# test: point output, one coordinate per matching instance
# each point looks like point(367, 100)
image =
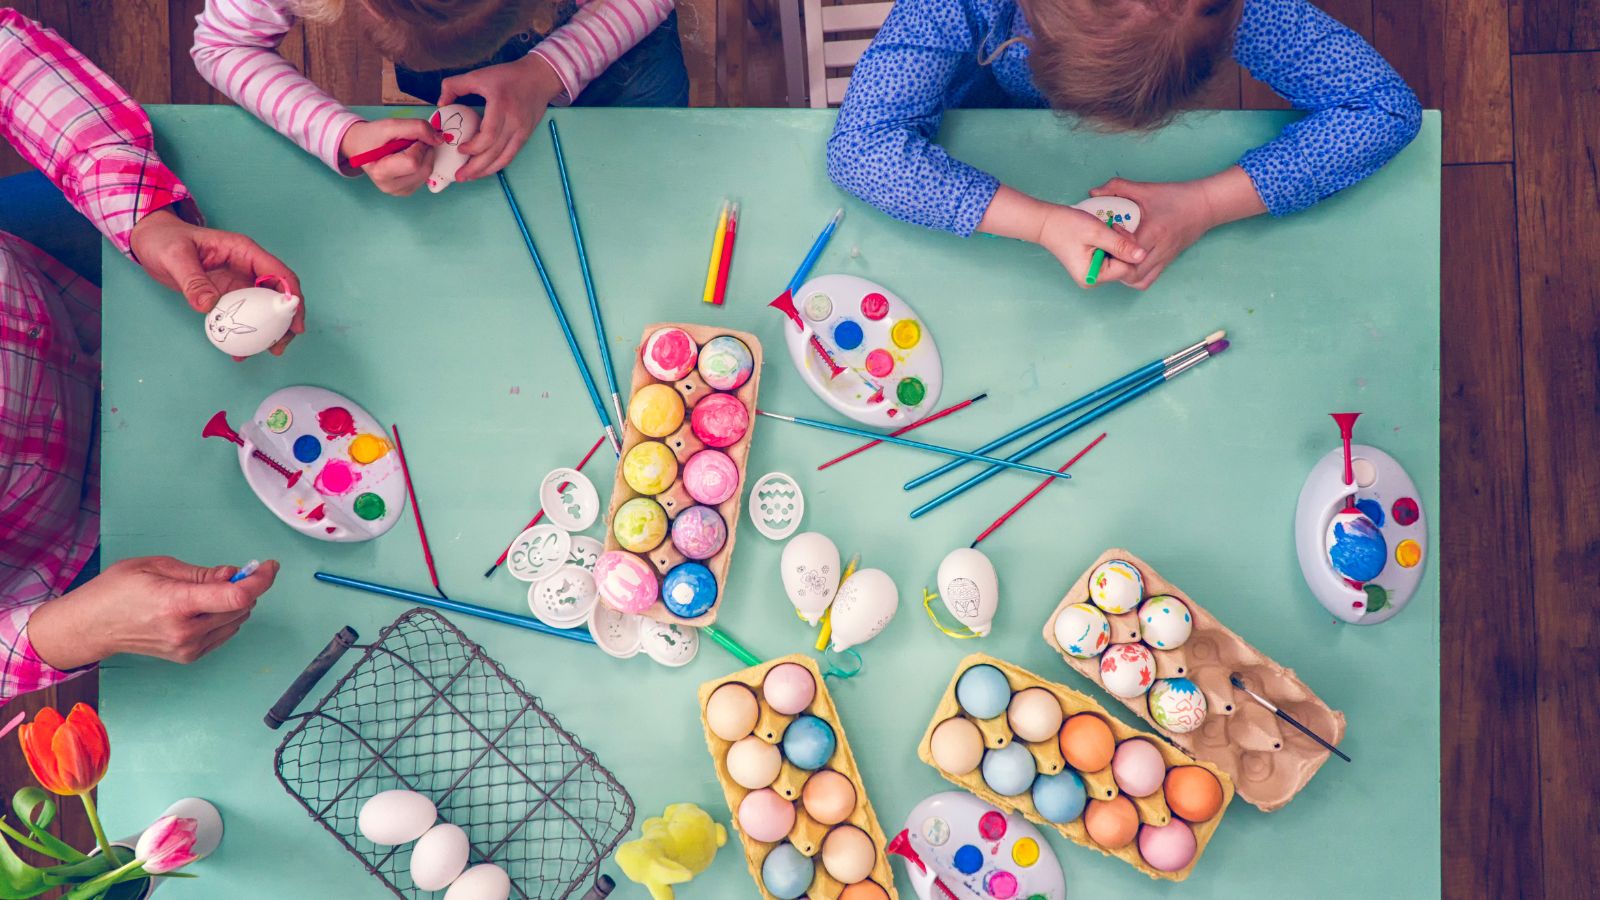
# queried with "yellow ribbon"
point(927, 603)
point(827, 614)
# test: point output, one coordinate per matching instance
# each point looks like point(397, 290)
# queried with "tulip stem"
point(25, 841)
point(99, 830)
point(109, 878)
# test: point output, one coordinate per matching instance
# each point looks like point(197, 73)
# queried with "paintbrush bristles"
point(1215, 336)
point(1216, 347)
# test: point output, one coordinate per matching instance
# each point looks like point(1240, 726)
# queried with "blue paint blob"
point(1359, 550)
point(983, 692)
point(307, 448)
point(689, 590)
point(808, 743)
point(786, 872)
point(847, 335)
point(1372, 509)
point(1060, 798)
point(968, 859)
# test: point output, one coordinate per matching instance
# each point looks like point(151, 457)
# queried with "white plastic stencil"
point(777, 505)
point(616, 633)
point(563, 599)
point(538, 552)
point(669, 643)
point(585, 552)
point(569, 499)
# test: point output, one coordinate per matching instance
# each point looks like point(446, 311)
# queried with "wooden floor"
point(1519, 84)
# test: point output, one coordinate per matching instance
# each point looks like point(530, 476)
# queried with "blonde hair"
point(433, 34)
point(1127, 64)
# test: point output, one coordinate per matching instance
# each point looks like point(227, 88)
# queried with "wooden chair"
point(826, 48)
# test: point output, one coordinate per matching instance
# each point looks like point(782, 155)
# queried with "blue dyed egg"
point(983, 692)
point(1009, 770)
point(689, 590)
point(808, 742)
point(1060, 798)
point(1356, 547)
point(786, 872)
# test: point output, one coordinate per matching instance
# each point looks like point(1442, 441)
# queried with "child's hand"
point(1072, 236)
point(398, 174)
point(204, 263)
point(515, 95)
point(1176, 214)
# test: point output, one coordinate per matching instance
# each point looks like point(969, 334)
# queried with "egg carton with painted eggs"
point(799, 805)
point(1160, 653)
point(685, 449)
point(1031, 746)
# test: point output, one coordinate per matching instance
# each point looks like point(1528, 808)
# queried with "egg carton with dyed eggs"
point(1268, 763)
point(763, 743)
point(650, 467)
point(1049, 758)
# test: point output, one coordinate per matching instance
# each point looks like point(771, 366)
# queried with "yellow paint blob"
point(368, 448)
point(1025, 852)
point(656, 410)
point(1408, 554)
point(906, 333)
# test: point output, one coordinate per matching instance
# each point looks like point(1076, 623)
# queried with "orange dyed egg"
point(1111, 823)
point(1193, 793)
point(1087, 743)
point(864, 890)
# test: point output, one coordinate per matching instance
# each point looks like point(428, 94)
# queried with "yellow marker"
point(716, 254)
point(827, 622)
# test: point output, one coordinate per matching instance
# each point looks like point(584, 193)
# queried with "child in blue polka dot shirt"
point(1120, 64)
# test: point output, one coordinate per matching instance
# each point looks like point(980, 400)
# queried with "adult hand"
point(152, 606)
point(515, 96)
point(398, 174)
point(204, 263)
point(1173, 215)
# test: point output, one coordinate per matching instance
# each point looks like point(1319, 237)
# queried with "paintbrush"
point(1239, 683)
point(933, 417)
point(1006, 516)
point(581, 635)
point(996, 462)
point(540, 514)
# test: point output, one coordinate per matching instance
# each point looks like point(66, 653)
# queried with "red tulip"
point(67, 756)
point(167, 846)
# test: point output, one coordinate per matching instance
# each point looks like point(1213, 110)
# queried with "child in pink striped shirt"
point(516, 57)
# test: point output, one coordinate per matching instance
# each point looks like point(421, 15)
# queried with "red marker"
point(368, 157)
point(727, 256)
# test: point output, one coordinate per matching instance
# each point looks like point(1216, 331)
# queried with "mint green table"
point(425, 310)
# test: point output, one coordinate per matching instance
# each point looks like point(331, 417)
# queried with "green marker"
point(1095, 262)
point(729, 644)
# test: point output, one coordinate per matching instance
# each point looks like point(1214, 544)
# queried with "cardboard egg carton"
point(1268, 760)
point(1153, 810)
point(684, 444)
point(807, 833)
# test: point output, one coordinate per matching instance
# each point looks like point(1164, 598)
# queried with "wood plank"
point(1543, 26)
point(1357, 14)
point(1488, 701)
point(730, 53)
point(697, 32)
point(1454, 54)
point(129, 41)
point(765, 80)
point(340, 59)
point(187, 85)
point(1558, 213)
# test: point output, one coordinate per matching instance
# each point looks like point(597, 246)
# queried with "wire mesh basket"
point(425, 709)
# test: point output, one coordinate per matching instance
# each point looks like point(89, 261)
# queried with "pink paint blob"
point(336, 421)
point(336, 478)
point(880, 363)
point(875, 306)
point(669, 354)
point(710, 477)
point(720, 420)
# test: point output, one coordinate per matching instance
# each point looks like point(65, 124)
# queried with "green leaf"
point(37, 809)
point(18, 880)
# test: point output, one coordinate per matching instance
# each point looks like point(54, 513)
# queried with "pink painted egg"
point(720, 420)
point(669, 354)
point(625, 582)
point(699, 532)
point(1168, 848)
point(765, 816)
point(789, 688)
point(710, 477)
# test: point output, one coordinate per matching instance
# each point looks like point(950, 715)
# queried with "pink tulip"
point(167, 846)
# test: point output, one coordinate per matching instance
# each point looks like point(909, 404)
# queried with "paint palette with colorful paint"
point(891, 372)
point(676, 502)
point(320, 463)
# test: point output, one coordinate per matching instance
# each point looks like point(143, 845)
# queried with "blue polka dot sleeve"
point(1362, 112)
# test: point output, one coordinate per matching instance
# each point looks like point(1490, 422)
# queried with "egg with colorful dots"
point(1116, 586)
point(649, 467)
point(1083, 631)
point(656, 410)
point(1177, 705)
point(640, 525)
point(669, 354)
point(725, 363)
point(1164, 622)
point(699, 532)
point(689, 590)
point(720, 420)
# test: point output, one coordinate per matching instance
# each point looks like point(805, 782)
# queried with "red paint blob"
point(336, 421)
point(875, 306)
point(1405, 511)
point(880, 363)
point(316, 514)
point(992, 826)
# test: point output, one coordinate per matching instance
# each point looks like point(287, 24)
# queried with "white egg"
point(1165, 622)
point(396, 817)
point(439, 857)
point(456, 125)
point(969, 588)
point(485, 881)
point(249, 320)
point(864, 605)
point(810, 569)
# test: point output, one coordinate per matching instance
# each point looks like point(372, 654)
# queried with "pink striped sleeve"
point(235, 50)
point(597, 36)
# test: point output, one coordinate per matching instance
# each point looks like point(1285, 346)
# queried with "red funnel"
point(1347, 425)
point(219, 427)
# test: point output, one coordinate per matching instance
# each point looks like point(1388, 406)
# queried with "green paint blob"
point(1377, 598)
point(910, 391)
point(278, 420)
point(370, 506)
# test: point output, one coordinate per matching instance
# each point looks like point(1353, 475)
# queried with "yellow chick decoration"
point(671, 849)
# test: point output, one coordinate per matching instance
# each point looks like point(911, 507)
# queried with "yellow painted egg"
point(650, 468)
point(656, 410)
point(640, 525)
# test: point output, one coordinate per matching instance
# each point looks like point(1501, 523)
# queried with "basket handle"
point(309, 676)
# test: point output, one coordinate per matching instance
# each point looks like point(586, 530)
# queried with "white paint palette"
point(322, 464)
point(892, 370)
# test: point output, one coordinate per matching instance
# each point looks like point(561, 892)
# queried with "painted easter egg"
point(765, 816)
point(1009, 770)
point(249, 320)
point(866, 601)
point(640, 525)
point(725, 363)
point(1111, 823)
point(983, 691)
point(1082, 631)
point(753, 763)
point(1193, 792)
point(776, 505)
point(1177, 705)
point(786, 872)
point(456, 125)
point(848, 854)
point(649, 467)
point(710, 477)
point(969, 588)
point(1164, 622)
point(625, 582)
point(1138, 767)
point(788, 688)
point(1060, 798)
point(1169, 847)
point(1034, 714)
point(1116, 586)
point(732, 711)
point(956, 745)
point(1356, 548)
point(810, 570)
point(809, 742)
point(656, 410)
point(699, 532)
point(720, 420)
point(1127, 670)
point(689, 590)
point(828, 797)
point(1087, 743)
point(669, 354)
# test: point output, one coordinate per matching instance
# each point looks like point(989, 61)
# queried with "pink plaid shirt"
point(85, 133)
